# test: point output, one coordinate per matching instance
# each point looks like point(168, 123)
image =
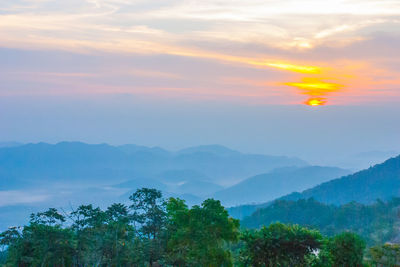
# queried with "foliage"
point(149, 232)
point(280, 245)
point(154, 232)
point(347, 250)
point(197, 236)
point(43, 242)
point(385, 255)
point(148, 214)
point(376, 223)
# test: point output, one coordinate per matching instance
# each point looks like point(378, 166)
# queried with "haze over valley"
point(67, 174)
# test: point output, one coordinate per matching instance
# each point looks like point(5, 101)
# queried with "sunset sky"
point(110, 70)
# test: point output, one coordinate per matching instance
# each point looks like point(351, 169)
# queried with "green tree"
point(44, 242)
point(280, 245)
point(89, 225)
point(106, 238)
point(152, 232)
point(149, 216)
point(347, 250)
point(385, 255)
point(322, 258)
point(178, 239)
point(9, 242)
point(200, 236)
point(118, 235)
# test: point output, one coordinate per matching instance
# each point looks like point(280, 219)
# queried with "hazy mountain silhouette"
point(42, 163)
point(181, 176)
point(41, 175)
point(10, 144)
point(266, 187)
point(381, 181)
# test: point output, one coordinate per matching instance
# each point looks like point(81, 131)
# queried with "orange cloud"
point(316, 87)
point(295, 68)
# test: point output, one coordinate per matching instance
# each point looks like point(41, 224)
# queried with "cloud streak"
point(20, 197)
point(292, 37)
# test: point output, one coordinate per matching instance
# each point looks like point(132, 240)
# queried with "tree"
point(385, 255)
point(280, 245)
point(117, 235)
point(347, 250)
point(154, 232)
point(44, 242)
point(212, 228)
point(89, 225)
point(9, 241)
point(178, 239)
point(199, 236)
point(322, 257)
point(149, 217)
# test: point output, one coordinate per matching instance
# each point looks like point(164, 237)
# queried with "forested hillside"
point(381, 181)
point(376, 223)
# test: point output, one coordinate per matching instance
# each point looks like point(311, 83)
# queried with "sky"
point(306, 78)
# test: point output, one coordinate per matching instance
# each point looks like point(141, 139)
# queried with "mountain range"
point(42, 163)
point(72, 173)
point(269, 186)
point(380, 182)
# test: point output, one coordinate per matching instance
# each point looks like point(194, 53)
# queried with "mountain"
point(80, 163)
point(242, 211)
point(181, 176)
point(218, 161)
point(198, 188)
point(377, 222)
point(215, 149)
point(132, 149)
point(10, 144)
point(282, 181)
point(74, 172)
point(381, 181)
point(37, 164)
point(360, 161)
point(175, 182)
point(142, 182)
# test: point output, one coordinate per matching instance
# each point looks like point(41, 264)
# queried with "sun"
point(316, 102)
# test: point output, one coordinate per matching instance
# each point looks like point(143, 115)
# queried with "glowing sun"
point(315, 102)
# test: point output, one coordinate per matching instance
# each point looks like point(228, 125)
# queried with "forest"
point(152, 231)
point(376, 223)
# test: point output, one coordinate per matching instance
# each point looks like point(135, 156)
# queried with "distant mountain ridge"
point(31, 164)
point(10, 144)
point(269, 186)
point(381, 181)
point(218, 149)
point(67, 173)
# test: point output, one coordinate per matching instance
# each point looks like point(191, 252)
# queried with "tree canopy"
point(152, 231)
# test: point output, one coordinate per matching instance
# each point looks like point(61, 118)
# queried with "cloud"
point(283, 24)
point(304, 37)
point(20, 197)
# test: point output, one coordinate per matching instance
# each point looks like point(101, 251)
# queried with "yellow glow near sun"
point(295, 68)
point(315, 88)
